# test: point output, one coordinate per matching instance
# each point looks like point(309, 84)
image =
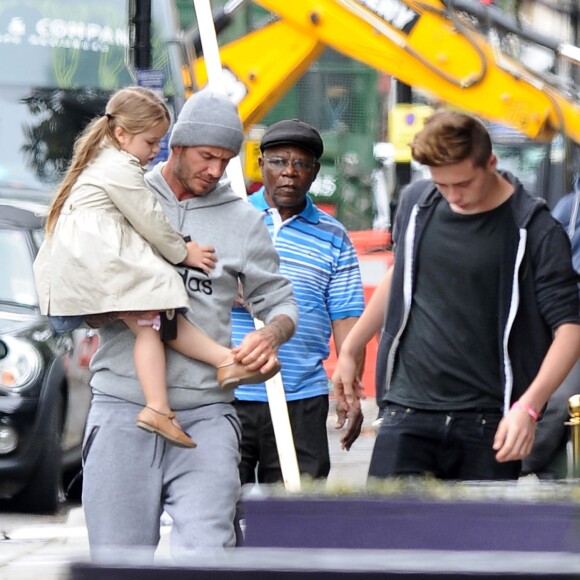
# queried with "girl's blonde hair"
point(134, 109)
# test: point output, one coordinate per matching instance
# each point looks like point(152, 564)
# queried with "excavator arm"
point(426, 44)
point(262, 66)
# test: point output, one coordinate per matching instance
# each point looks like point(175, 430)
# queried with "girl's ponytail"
point(134, 109)
point(85, 150)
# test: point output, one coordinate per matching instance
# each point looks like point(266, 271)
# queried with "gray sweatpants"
point(130, 476)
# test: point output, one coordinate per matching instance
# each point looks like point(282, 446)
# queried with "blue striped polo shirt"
point(318, 257)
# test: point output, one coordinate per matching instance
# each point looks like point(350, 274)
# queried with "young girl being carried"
point(109, 250)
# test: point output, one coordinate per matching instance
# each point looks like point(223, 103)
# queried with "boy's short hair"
point(450, 137)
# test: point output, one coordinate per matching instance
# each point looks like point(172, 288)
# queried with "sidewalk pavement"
point(44, 552)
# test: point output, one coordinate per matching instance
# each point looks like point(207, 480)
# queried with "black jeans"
point(453, 445)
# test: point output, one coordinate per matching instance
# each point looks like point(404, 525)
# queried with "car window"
point(16, 275)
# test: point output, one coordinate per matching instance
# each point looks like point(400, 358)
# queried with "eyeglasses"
point(280, 163)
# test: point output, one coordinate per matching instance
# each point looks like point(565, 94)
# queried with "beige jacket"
point(112, 247)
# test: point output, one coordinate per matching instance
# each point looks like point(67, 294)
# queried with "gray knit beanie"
point(210, 119)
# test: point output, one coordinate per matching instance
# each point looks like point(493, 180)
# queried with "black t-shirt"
point(449, 356)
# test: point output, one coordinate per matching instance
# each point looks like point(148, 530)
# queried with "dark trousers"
point(454, 445)
point(259, 452)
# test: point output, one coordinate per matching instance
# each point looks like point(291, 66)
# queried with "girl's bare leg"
point(149, 356)
point(150, 366)
point(194, 343)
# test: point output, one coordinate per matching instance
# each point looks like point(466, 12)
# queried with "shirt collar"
point(310, 213)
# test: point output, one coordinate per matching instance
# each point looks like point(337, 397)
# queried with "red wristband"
point(527, 409)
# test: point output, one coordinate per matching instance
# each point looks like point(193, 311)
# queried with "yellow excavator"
point(461, 52)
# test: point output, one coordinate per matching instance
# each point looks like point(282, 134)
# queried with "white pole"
point(215, 77)
point(274, 387)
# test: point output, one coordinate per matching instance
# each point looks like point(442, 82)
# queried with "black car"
point(44, 390)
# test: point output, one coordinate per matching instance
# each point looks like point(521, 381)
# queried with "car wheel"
point(44, 492)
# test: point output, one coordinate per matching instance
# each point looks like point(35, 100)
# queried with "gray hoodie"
point(244, 251)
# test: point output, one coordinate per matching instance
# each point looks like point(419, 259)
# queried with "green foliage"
point(432, 489)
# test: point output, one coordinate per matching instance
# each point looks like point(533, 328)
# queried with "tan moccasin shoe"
point(166, 425)
point(231, 374)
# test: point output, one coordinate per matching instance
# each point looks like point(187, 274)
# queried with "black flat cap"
point(293, 132)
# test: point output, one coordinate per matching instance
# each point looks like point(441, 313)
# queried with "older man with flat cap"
point(318, 257)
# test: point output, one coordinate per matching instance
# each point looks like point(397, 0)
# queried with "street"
point(11, 520)
point(40, 547)
point(45, 547)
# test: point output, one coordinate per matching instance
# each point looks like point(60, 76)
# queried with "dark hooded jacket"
point(539, 286)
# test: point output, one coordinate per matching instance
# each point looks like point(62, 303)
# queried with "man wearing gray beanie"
point(131, 477)
point(208, 118)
